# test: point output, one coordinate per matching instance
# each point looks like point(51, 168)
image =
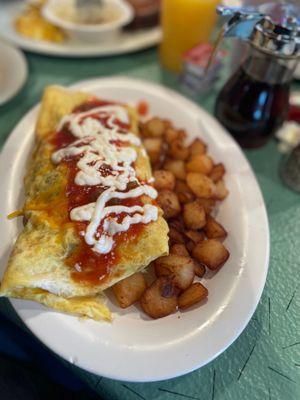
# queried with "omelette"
point(90, 214)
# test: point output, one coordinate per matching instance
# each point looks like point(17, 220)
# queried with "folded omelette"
point(90, 215)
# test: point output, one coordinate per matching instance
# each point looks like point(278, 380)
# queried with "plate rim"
point(259, 289)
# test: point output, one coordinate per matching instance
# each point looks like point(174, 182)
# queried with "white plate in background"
point(13, 71)
point(134, 347)
point(125, 43)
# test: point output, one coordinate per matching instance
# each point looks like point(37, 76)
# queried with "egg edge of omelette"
point(35, 266)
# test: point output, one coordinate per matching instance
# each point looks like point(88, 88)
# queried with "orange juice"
point(185, 23)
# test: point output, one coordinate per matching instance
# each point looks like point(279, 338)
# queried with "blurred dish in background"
point(125, 42)
point(13, 72)
point(146, 13)
point(87, 12)
point(89, 24)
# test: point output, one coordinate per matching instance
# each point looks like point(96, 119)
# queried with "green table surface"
point(264, 362)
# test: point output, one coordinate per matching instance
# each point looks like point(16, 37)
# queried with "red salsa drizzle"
point(87, 265)
point(143, 108)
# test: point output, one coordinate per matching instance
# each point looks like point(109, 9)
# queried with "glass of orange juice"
point(185, 23)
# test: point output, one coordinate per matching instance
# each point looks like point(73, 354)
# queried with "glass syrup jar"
point(254, 102)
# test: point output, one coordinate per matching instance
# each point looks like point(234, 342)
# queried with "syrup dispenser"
point(255, 100)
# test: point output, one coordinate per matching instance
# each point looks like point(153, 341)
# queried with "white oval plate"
point(133, 347)
point(125, 43)
point(13, 71)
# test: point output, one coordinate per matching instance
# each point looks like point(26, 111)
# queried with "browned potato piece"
point(164, 180)
point(184, 193)
point(221, 191)
point(169, 203)
point(153, 147)
point(130, 289)
point(190, 245)
point(208, 204)
point(217, 172)
point(178, 150)
point(200, 163)
point(155, 127)
point(175, 236)
point(168, 124)
point(211, 253)
point(194, 215)
point(179, 267)
point(142, 128)
point(160, 299)
point(201, 185)
point(171, 135)
point(214, 230)
point(177, 223)
point(199, 269)
point(195, 236)
point(197, 147)
point(177, 167)
point(194, 294)
point(179, 249)
point(182, 135)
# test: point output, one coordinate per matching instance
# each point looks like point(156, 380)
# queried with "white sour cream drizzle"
point(96, 147)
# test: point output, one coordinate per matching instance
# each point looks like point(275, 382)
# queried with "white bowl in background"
point(89, 32)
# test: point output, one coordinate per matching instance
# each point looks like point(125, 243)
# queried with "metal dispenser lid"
point(272, 27)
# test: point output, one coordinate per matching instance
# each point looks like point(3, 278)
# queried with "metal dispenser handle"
point(240, 23)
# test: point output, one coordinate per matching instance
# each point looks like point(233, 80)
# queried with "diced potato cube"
point(169, 203)
point(175, 236)
point(164, 180)
point(197, 147)
point(195, 236)
point(200, 163)
point(177, 167)
point(213, 229)
point(160, 299)
point(155, 127)
point(178, 150)
point(208, 204)
point(199, 269)
point(179, 249)
point(217, 172)
point(177, 223)
point(194, 215)
point(180, 268)
point(194, 294)
point(153, 146)
point(190, 245)
point(201, 185)
point(171, 135)
point(211, 253)
point(184, 193)
point(182, 135)
point(221, 191)
point(130, 289)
